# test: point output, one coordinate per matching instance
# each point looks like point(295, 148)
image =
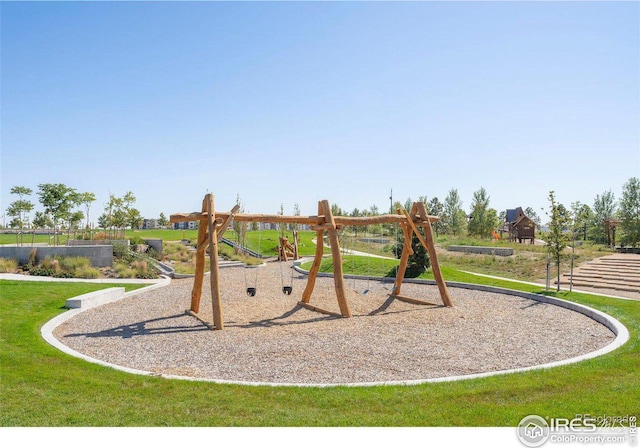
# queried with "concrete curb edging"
point(47, 329)
point(621, 332)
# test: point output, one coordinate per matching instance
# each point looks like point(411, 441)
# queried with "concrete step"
point(580, 284)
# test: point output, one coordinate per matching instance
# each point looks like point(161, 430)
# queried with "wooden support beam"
point(407, 250)
point(198, 278)
point(318, 309)
point(315, 267)
point(214, 277)
point(201, 319)
point(412, 300)
point(338, 277)
point(288, 219)
point(433, 255)
point(227, 221)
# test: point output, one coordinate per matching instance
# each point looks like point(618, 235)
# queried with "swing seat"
point(287, 290)
point(251, 292)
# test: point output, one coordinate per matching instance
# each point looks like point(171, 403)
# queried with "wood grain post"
point(433, 256)
point(214, 277)
point(198, 278)
point(338, 277)
point(404, 259)
point(315, 267)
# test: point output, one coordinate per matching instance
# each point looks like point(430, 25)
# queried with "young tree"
point(86, 199)
point(58, 201)
point(41, 220)
point(630, 212)
point(604, 207)
point(533, 216)
point(483, 220)
point(454, 217)
point(557, 237)
point(19, 209)
point(162, 220)
point(582, 217)
point(436, 208)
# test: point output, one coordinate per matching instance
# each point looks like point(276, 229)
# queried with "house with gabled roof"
point(519, 226)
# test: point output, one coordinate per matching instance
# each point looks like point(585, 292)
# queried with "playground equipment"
point(213, 225)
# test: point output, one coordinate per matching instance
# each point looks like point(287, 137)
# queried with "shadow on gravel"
point(142, 329)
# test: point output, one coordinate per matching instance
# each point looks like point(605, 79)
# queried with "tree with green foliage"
point(531, 214)
point(582, 218)
point(604, 207)
point(454, 218)
point(86, 199)
point(630, 212)
point(19, 210)
point(162, 220)
point(436, 208)
point(483, 220)
point(58, 201)
point(557, 238)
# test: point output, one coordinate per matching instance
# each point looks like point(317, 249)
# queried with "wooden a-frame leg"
point(433, 256)
point(198, 279)
point(214, 277)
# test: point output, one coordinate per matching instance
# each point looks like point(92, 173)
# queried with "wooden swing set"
point(212, 226)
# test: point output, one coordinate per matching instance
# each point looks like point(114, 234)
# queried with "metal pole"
point(548, 270)
point(573, 251)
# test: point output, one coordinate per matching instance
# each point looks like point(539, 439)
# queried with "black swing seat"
point(287, 290)
point(251, 292)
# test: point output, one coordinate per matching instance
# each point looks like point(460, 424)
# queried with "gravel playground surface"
point(269, 338)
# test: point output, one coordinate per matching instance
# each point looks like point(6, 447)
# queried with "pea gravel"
point(268, 338)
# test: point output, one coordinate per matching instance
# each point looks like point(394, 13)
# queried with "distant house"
point(189, 225)
point(150, 223)
point(519, 226)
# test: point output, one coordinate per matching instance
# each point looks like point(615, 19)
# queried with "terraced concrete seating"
point(620, 272)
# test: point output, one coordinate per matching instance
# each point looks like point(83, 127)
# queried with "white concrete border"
point(621, 332)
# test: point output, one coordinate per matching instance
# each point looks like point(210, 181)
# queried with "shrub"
point(135, 240)
point(8, 265)
point(87, 272)
point(121, 253)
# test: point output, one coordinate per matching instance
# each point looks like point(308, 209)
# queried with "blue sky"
point(293, 102)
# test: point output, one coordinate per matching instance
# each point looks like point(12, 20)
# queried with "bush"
point(121, 253)
point(64, 267)
point(8, 265)
point(135, 240)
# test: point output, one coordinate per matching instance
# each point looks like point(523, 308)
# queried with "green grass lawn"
point(41, 386)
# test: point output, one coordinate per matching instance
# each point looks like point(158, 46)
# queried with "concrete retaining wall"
point(96, 242)
point(100, 255)
point(96, 298)
point(500, 251)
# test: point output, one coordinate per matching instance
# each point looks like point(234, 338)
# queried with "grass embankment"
point(44, 387)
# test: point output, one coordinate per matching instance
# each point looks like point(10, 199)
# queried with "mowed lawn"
point(41, 386)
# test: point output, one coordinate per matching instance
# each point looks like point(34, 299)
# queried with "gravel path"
point(268, 338)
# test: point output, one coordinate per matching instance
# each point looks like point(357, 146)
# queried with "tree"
point(483, 220)
point(533, 216)
point(436, 208)
point(162, 220)
point(454, 216)
point(86, 199)
point(557, 237)
point(419, 261)
point(19, 209)
point(630, 212)
point(58, 201)
point(604, 207)
point(582, 218)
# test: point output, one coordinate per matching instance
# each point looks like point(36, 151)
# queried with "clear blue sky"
point(293, 102)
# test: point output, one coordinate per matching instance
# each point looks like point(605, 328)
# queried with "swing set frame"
point(212, 226)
